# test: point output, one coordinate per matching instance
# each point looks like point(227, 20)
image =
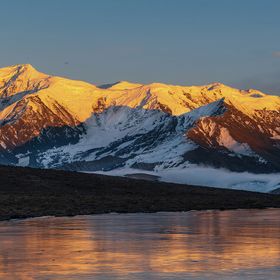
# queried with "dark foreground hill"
point(26, 192)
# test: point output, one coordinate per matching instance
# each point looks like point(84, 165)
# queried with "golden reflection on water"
point(159, 244)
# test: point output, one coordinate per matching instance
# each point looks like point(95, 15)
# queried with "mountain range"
point(54, 122)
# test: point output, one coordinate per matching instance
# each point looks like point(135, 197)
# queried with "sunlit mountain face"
point(53, 122)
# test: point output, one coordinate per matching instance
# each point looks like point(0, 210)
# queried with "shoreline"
point(30, 193)
point(15, 219)
point(132, 213)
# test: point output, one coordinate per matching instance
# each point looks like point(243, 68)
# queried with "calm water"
point(194, 245)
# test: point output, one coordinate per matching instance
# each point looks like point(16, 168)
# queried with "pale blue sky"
point(174, 41)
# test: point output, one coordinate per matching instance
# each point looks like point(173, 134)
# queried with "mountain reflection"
point(151, 244)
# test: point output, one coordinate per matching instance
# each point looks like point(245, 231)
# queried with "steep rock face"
point(48, 121)
point(28, 118)
point(18, 81)
point(21, 78)
point(237, 134)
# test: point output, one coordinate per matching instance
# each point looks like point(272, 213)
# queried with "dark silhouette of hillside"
point(26, 192)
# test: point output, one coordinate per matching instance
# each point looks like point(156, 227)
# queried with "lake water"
point(242, 244)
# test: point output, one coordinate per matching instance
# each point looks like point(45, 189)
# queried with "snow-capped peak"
point(59, 122)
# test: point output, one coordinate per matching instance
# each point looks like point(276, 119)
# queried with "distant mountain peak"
point(120, 85)
point(19, 80)
point(18, 68)
point(26, 71)
point(26, 66)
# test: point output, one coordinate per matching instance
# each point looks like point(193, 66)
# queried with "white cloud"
point(210, 177)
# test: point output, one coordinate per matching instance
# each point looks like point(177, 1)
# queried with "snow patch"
point(23, 161)
point(226, 140)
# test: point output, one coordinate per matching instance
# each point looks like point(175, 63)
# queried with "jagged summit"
point(21, 79)
point(26, 67)
point(19, 69)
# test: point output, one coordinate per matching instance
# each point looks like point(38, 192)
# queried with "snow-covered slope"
point(130, 136)
point(53, 122)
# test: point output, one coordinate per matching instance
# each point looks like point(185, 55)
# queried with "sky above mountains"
point(173, 41)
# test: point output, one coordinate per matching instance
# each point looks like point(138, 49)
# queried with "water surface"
point(242, 244)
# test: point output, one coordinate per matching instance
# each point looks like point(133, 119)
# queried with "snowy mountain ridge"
point(54, 122)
